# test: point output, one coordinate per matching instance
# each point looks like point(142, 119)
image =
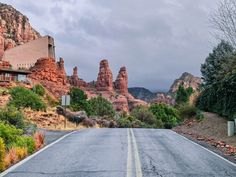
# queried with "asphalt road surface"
point(124, 153)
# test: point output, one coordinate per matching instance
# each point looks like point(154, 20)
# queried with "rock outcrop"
point(115, 92)
point(163, 98)
point(75, 81)
point(15, 28)
point(51, 74)
point(187, 80)
point(121, 83)
point(105, 77)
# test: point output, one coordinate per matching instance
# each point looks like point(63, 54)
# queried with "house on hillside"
point(7, 74)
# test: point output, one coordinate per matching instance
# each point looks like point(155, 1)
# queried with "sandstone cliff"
point(15, 28)
point(115, 92)
point(188, 80)
point(51, 75)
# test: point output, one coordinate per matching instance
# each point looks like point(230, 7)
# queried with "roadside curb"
point(33, 155)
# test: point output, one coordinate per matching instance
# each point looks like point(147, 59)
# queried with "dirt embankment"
point(210, 132)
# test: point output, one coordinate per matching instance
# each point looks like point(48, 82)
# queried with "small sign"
point(65, 100)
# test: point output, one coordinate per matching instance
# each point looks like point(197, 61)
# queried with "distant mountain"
point(142, 93)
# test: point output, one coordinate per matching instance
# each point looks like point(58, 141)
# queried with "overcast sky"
point(157, 40)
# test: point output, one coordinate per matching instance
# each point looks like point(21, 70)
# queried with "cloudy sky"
point(156, 40)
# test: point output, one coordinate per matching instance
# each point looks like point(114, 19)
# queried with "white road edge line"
point(222, 158)
point(129, 156)
point(136, 157)
point(33, 155)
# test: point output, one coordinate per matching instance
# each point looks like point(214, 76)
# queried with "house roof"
point(15, 71)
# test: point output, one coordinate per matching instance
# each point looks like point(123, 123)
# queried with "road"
point(124, 153)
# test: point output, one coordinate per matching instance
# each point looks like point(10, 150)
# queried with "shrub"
point(130, 122)
point(24, 98)
point(187, 111)
point(167, 114)
point(101, 107)
point(2, 155)
point(144, 115)
point(12, 116)
point(39, 89)
point(9, 133)
point(25, 142)
point(21, 152)
point(38, 140)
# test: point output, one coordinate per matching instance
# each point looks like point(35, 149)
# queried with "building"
point(7, 74)
point(25, 56)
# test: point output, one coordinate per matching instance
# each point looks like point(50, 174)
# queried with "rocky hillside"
point(142, 93)
point(188, 80)
point(15, 28)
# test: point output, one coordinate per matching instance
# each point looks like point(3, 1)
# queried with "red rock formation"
point(51, 74)
point(105, 78)
point(76, 81)
point(187, 80)
point(15, 28)
point(121, 83)
point(164, 98)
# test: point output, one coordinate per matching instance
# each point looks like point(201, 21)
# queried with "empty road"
point(124, 153)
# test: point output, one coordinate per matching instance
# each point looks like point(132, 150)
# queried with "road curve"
point(124, 153)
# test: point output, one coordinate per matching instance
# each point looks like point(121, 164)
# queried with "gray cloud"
point(156, 39)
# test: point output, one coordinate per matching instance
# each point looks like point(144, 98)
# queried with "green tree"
point(215, 66)
point(182, 94)
point(101, 107)
point(79, 100)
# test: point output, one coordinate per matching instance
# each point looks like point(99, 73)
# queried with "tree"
point(79, 100)
point(182, 94)
point(218, 63)
point(224, 21)
point(100, 106)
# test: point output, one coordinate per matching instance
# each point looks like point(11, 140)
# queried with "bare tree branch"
point(224, 21)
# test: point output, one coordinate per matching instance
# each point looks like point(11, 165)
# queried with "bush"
point(144, 115)
point(39, 140)
point(101, 107)
point(39, 89)
point(130, 122)
point(9, 133)
point(12, 116)
point(187, 111)
point(2, 155)
point(24, 98)
point(167, 114)
point(25, 142)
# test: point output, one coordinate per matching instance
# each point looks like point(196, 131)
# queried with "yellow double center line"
point(133, 150)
